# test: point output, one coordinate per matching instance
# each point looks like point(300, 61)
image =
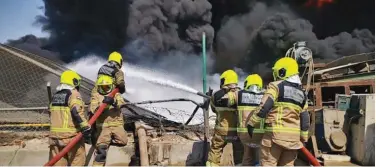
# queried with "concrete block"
point(6, 156)
point(183, 154)
point(329, 157)
point(116, 156)
point(120, 156)
point(26, 157)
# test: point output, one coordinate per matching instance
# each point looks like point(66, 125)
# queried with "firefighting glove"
point(86, 132)
point(108, 100)
point(250, 130)
point(121, 88)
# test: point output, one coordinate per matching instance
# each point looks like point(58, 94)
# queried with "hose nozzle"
point(203, 95)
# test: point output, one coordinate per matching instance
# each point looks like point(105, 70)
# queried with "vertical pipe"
point(203, 63)
point(142, 143)
point(49, 92)
point(205, 109)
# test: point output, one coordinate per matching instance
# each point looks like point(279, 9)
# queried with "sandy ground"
point(16, 138)
point(31, 144)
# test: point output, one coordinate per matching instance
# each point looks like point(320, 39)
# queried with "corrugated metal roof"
point(318, 72)
point(351, 59)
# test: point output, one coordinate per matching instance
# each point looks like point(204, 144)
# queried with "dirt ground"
point(16, 138)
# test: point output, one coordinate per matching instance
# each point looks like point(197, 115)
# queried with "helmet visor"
point(105, 89)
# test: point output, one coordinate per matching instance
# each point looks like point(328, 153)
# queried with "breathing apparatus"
point(303, 55)
point(300, 52)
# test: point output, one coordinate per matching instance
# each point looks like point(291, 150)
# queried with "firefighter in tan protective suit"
point(67, 119)
point(110, 123)
point(247, 101)
point(284, 107)
point(113, 69)
point(226, 121)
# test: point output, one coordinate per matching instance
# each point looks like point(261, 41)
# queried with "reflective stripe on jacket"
point(111, 116)
point(283, 120)
point(67, 114)
point(223, 103)
point(247, 103)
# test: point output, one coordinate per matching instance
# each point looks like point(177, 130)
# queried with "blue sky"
point(17, 18)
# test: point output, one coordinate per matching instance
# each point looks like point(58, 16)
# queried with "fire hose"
point(310, 157)
point(78, 137)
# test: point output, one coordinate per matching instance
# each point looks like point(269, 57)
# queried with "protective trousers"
point(218, 142)
point(277, 156)
point(107, 135)
point(251, 155)
point(251, 148)
point(75, 157)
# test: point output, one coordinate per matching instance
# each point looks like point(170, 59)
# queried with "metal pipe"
point(142, 142)
point(203, 95)
point(79, 135)
point(192, 115)
point(22, 125)
point(27, 108)
point(49, 92)
point(206, 98)
point(163, 101)
point(23, 109)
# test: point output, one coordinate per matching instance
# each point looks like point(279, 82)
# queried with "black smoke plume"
point(78, 28)
point(250, 34)
point(96, 26)
point(171, 24)
point(264, 34)
point(34, 45)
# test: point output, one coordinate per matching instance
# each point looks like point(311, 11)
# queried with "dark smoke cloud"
point(249, 34)
point(95, 26)
point(262, 36)
point(78, 28)
point(34, 45)
point(167, 25)
point(234, 38)
point(337, 16)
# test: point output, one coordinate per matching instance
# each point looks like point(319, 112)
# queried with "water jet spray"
point(140, 74)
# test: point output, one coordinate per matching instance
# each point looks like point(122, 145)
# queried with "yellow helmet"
point(229, 77)
point(71, 78)
point(284, 68)
point(105, 84)
point(116, 57)
point(253, 79)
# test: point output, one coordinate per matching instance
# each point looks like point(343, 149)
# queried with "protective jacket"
point(284, 106)
point(67, 114)
point(111, 116)
point(223, 104)
point(113, 70)
point(247, 103)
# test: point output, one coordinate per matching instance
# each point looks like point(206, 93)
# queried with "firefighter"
point(110, 123)
point(247, 101)
point(113, 69)
point(284, 107)
point(226, 120)
point(67, 119)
